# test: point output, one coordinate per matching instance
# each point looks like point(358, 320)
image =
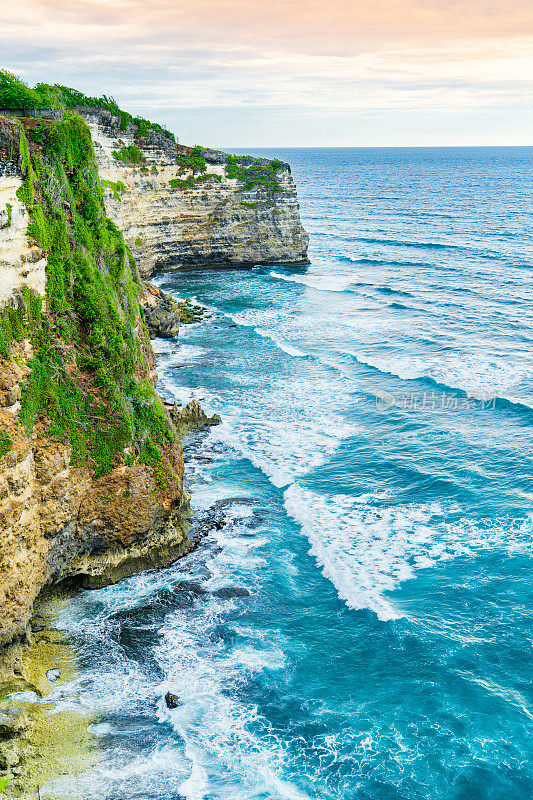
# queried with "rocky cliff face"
point(174, 216)
point(91, 467)
point(57, 522)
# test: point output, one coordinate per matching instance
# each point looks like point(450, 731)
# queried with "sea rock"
point(230, 592)
point(164, 315)
point(192, 416)
point(172, 700)
point(13, 722)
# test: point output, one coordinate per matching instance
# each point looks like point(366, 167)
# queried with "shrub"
point(6, 443)
point(194, 161)
point(117, 187)
point(15, 94)
point(129, 155)
point(9, 212)
point(256, 175)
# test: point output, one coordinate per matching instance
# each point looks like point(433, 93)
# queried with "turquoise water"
point(358, 622)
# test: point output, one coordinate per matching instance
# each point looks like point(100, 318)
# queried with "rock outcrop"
point(172, 217)
point(164, 315)
point(191, 416)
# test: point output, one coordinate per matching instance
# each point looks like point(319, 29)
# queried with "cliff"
point(91, 467)
point(181, 206)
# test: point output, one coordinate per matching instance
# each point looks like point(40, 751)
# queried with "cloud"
point(375, 56)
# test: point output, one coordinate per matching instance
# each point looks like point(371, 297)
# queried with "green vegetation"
point(194, 161)
point(139, 242)
point(187, 183)
point(15, 94)
point(256, 175)
point(117, 188)
point(5, 446)
point(17, 324)
point(129, 155)
point(192, 182)
point(87, 381)
point(7, 223)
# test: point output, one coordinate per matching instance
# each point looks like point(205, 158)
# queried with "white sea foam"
point(214, 724)
point(367, 550)
point(216, 727)
point(287, 444)
point(323, 283)
point(479, 377)
point(285, 346)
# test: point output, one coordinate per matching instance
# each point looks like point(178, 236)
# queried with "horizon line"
point(375, 147)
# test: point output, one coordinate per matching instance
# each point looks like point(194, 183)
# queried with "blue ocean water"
point(358, 625)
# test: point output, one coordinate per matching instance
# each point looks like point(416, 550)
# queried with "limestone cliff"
point(206, 210)
point(91, 467)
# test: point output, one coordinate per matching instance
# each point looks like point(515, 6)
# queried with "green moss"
point(9, 212)
point(129, 155)
point(257, 175)
point(83, 381)
point(6, 443)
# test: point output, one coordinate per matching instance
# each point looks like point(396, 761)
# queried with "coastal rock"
point(191, 416)
point(13, 722)
point(172, 700)
point(164, 315)
point(231, 592)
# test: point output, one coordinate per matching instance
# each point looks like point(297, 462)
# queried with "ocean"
point(358, 624)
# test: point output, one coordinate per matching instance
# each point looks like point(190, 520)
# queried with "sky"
point(281, 73)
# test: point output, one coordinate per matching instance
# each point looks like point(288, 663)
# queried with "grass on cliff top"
point(15, 94)
point(88, 380)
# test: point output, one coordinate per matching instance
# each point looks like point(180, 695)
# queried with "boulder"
point(172, 700)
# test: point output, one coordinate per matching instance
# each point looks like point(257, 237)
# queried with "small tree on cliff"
point(14, 94)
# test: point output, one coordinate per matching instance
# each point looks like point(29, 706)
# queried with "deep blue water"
point(373, 478)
